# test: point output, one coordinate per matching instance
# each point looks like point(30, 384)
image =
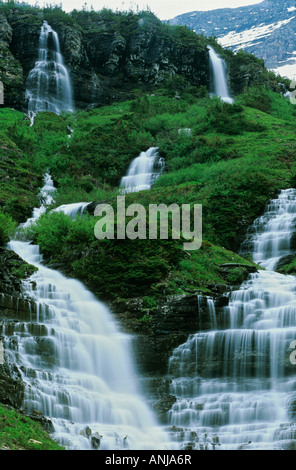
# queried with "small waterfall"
point(235, 384)
point(219, 76)
point(72, 210)
point(143, 171)
point(75, 363)
point(46, 198)
point(48, 83)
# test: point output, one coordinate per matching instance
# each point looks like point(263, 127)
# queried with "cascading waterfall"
point(235, 385)
point(74, 209)
point(219, 76)
point(46, 198)
point(76, 364)
point(143, 171)
point(48, 85)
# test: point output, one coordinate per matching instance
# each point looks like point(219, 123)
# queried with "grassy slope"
point(17, 431)
point(235, 159)
point(19, 184)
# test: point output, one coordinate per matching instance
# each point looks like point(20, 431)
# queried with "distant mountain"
point(267, 30)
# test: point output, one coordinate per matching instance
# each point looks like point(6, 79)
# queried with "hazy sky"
point(164, 9)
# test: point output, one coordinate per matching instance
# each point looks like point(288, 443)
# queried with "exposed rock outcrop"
point(13, 308)
point(106, 62)
point(162, 328)
point(11, 71)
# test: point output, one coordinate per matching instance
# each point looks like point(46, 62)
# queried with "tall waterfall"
point(143, 171)
point(76, 364)
point(48, 83)
point(219, 76)
point(235, 384)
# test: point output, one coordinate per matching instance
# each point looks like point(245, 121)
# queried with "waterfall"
point(48, 83)
point(219, 76)
point(76, 364)
point(143, 171)
point(74, 209)
point(235, 384)
point(46, 197)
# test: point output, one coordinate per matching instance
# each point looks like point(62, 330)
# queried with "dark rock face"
point(104, 64)
point(11, 72)
point(159, 330)
point(13, 308)
point(87, 87)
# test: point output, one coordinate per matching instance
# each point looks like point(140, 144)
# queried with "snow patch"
point(288, 70)
point(245, 38)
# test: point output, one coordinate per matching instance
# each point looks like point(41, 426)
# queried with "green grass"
point(16, 431)
point(234, 160)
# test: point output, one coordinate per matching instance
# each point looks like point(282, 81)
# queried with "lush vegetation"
point(233, 159)
point(19, 432)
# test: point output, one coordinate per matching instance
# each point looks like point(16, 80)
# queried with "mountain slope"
point(266, 30)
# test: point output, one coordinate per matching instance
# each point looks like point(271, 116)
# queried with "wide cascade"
point(76, 364)
point(48, 85)
point(235, 383)
point(72, 210)
point(219, 76)
point(143, 171)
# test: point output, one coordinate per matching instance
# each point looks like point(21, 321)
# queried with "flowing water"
point(76, 364)
point(143, 171)
point(235, 383)
point(48, 85)
point(72, 210)
point(219, 76)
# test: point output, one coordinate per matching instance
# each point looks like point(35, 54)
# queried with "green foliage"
point(268, 101)
point(7, 228)
point(23, 271)
point(229, 119)
point(237, 276)
point(257, 98)
point(54, 230)
point(17, 432)
point(287, 266)
point(99, 262)
point(150, 303)
point(232, 159)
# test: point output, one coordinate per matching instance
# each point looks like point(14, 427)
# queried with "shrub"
point(7, 227)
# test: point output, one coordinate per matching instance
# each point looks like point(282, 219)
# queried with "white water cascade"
point(48, 85)
point(219, 76)
point(72, 210)
point(46, 198)
point(76, 364)
point(235, 383)
point(143, 171)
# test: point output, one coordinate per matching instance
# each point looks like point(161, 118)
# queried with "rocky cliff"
point(111, 56)
point(14, 308)
point(108, 55)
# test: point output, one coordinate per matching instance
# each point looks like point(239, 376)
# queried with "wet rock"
point(96, 440)
point(86, 432)
point(13, 308)
point(165, 326)
point(40, 418)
